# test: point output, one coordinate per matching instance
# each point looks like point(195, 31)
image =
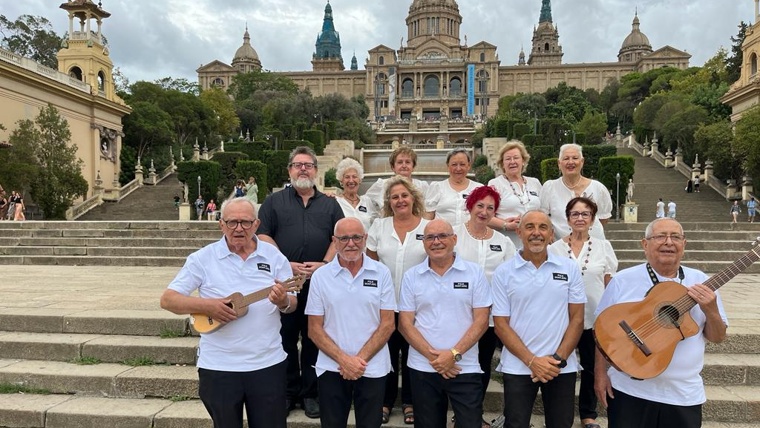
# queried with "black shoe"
point(311, 408)
point(289, 405)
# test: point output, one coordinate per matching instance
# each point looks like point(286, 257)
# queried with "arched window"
point(407, 88)
point(218, 82)
point(432, 86)
point(482, 57)
point(76, 73)
point(546, 47)
point(455, 87)
point(753, 64)
point(101, 81)
point(381, 60)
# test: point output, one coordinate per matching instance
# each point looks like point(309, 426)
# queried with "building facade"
point(745, 92)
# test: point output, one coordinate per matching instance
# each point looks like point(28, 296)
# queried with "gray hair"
point(345, 165)
point(551, 225)
point(238, 200)
point(346, 219)
point(564, 147)
point(456, 152)
point(650, 226)
point(303, 150)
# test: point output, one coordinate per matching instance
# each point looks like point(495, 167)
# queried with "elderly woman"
point(403, 161)
point(349, 173)
point(557, 193)
point(446, 199)
point(597, 262)
point(396, 241)
point(480, 244)
point(519, 194)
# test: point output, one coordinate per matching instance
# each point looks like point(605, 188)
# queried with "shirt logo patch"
point(264, 267)
point(533, 193)
point(495, 247)
point(465, 196)
point(370, 283)
point(560, 276)
point(461, 285)
point(419, 236)
point(363, 209)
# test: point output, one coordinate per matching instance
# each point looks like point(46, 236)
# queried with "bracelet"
point(504, 226)
point(531, 361)
point(287, 308)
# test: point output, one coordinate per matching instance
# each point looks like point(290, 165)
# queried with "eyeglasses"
point(582, 214)
point(438, 236)
point(233, 224)
point(344, 239)
point(661, 239)
point(304, 165)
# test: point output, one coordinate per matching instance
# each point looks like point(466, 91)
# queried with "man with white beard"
point(300, 220)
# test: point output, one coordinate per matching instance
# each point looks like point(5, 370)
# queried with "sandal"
point(386, 414)
point(408, 414)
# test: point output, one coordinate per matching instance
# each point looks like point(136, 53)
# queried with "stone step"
point(113, 233)
point(696, 245)
point(107, 242)
point(719, 235)
point(103, 348)
point(717, 254)
point(689, 226)
point(92, 261)
point(23, 250)
point(118, 225)
point(98, 322)
point(708, 267)
point(725, 403)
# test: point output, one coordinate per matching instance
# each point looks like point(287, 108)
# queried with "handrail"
point(77, 211)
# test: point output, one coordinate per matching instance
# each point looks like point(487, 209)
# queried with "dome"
point(424, 3)
point(637, 39)
point(246, 52)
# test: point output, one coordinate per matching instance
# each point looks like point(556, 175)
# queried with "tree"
point(716, 141)
point(224, 120)
point(594, 125)
point(181, 84)
point(31, 37)
point(747, 136)
point(245, 85)
point(59, 177)
point(147, 126)
point(734, 62)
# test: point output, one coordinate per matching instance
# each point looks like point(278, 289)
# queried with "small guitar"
point(639, 338)
point(203, 323)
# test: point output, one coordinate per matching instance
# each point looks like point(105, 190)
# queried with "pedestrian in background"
point(735, 210)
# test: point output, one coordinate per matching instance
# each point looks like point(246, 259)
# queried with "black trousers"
point(398, 347)
point(486, 347)
point(261, 391)
point(587, 397)
point(336, 395)
point(625, 411)
point(432, 394)
point(558, 396)
point(302, 379)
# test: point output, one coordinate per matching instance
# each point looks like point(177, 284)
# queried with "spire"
point(546, 11)
point(354, 63)
point(327, 46)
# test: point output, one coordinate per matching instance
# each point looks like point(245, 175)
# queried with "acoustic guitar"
point(639, 338)
point(203, 323)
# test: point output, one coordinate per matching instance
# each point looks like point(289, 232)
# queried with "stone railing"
point(38, 68)
point(127, 189)
point(79, 210)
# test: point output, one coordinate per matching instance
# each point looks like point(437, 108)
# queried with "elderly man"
point(538, 307)
point(352, 302)
point(300, 220)
point(443, 312)
point(674, 398)
point(235, 367)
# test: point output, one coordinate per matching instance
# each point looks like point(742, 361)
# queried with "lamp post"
point(199, 185)
point(617, 197)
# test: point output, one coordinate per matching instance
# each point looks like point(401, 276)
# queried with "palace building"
point(745, 92)
point(437, 77)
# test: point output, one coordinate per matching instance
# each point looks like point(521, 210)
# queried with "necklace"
point(574, 185)
point(588, 253)
point(481, 238)
point(524, 191)
point(351, 199)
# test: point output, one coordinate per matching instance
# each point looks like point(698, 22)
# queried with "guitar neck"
point(255, 296)
point(737, 267)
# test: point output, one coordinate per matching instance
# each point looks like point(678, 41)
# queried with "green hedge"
point(228, 176)
point(537, 155)
point(520, 130)
point(257, 170)
point(317, 138)
point(609, 166)
point(549, 170)
point(209, 171)
point(277, 167)
point(533, 140)
point(254, 149)
point(289, 145)
point(484, 174)
point(591, 156)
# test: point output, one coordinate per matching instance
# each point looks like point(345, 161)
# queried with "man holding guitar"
point(673, 394)
point(243, 362)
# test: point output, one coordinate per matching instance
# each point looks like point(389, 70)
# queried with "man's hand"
point(443, 363)
point(309, 267)
point(544, 369)
point(351, 367)
point(704, 296)
point(602, 386)
point(278, 296)
point(218, 310)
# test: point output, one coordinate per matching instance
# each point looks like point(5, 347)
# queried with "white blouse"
point(595, 260)
point(376, 191)
point(448, 203)
point(364, 210)
point(516, 199)
point(555, 196)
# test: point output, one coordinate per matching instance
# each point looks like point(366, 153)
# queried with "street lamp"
point(199, 185)
point(617, 196)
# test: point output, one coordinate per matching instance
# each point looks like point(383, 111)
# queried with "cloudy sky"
point(152, 39)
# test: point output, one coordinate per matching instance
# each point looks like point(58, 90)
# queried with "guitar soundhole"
point(668, 316)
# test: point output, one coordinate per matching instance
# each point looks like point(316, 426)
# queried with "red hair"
point(481, 193)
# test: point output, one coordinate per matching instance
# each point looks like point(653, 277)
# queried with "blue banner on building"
point(470, 89)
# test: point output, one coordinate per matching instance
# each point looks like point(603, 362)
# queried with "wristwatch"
point(457, 355)
point(562, 361)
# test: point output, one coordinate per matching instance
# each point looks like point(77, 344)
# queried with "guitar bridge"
point(634, 338)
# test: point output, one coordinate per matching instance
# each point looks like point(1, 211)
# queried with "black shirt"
point(303, 233)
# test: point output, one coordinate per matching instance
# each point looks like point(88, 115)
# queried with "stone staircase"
point(146, 203)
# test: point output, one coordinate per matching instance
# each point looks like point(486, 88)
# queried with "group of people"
point(736, 209)
point(248, 190)
point(420, 282)
point(12, 206)
point(660, 209)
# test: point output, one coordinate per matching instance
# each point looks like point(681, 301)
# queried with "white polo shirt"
point(351, 309)
point(601, 261)
point(448, 203)
point(376, 192)
point(364, 210)
point(680, 384)
point(527, 198)
point(555, 196)
point(399, 257)
point(442, 307)
point(253, 341)
point(536, 302)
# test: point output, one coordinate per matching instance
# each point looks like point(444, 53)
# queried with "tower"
point(546, 49)
point(83, 55)
point(327, 56)
point(439, 19)
point(636, 44)
point(246, 59)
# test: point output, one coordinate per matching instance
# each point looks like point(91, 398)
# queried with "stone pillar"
point(631, 212)
point(139, 172)
point(97, 188)
point(746, 188)
point(171, 156)
point(669, 159)
point(696, 168)
point(645, 150)
point(184, 211)
point(196, 151)
point(205, 152)
point(618, 137)
point(152, 177)
point(731, 189)
point(394, 143)
point(440, 143)
point(678, 160)
point(708, 170)
point(655, 143)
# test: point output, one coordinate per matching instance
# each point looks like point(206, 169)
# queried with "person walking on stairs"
point(671, 209)
point(735, 210)
point(751, 210)
point(660, 213)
